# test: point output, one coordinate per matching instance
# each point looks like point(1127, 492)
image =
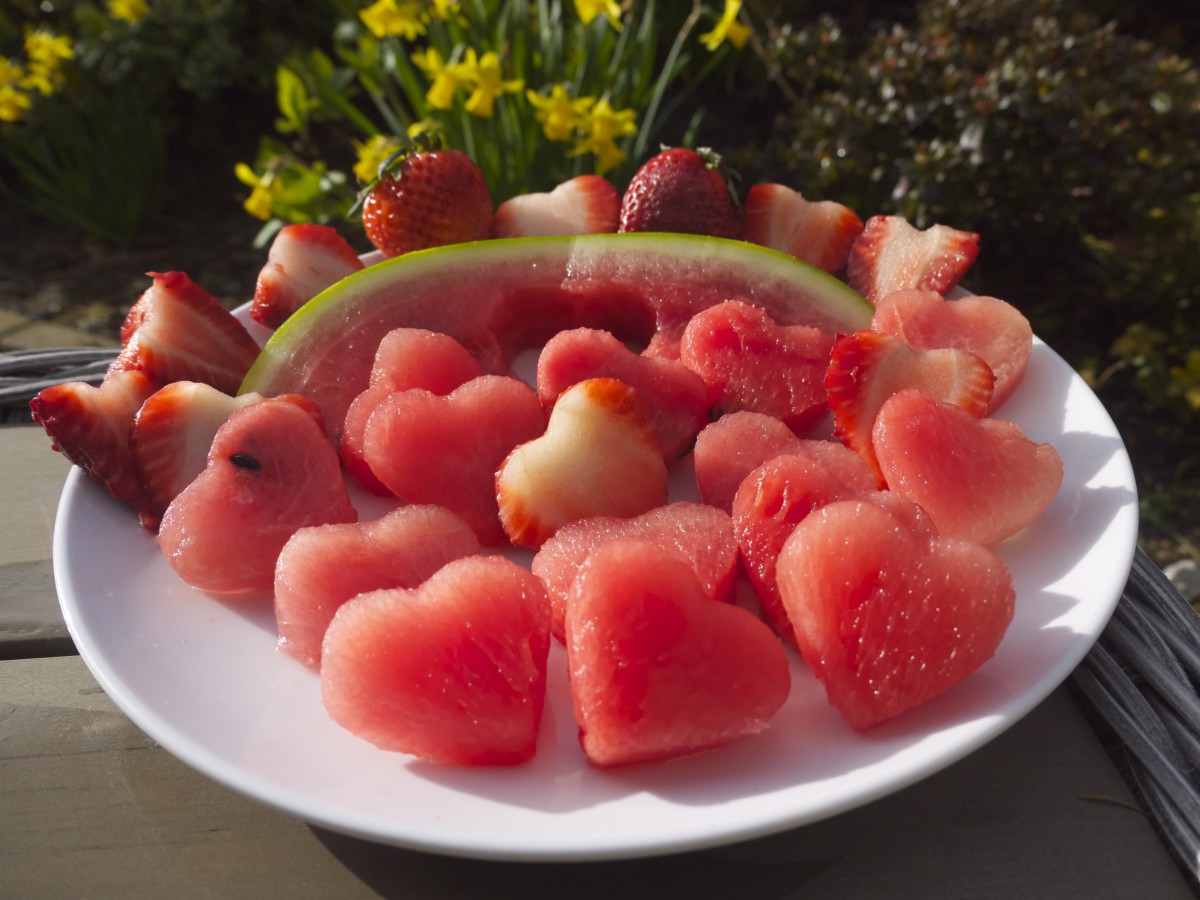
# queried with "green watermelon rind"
point(388, 291)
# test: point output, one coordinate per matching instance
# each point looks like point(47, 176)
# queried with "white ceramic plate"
point(204, 680)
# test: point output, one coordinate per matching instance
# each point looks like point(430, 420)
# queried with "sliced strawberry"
point(600, 456)
point(304, 259)
point(90, 427)
point(819, 232)
point(893, 255)
point(586, 204)
point(867, 367)
point(177, 331)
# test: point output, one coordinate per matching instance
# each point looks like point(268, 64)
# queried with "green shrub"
point(1067, 143)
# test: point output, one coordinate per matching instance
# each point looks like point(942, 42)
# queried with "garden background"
point(147, 135)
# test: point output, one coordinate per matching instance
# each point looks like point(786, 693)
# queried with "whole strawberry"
point(427, 199)
point(681, 190)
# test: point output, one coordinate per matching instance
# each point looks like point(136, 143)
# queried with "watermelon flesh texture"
point(699, 534)
point(453, 671)
point(656, 668)
point(321, 567)
point(887, 613)
point(500, 297)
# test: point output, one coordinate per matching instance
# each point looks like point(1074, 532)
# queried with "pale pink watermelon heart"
point(739, 442)
point(321, 567)
point(889, 616)
point(656, 668)
point(453, 671)
point(771, 501)
point(982, 480)
point(749, 361)
point(407, 358)
point(992, 329)
point(699, 534)
point(445, 450)
point(271, 471)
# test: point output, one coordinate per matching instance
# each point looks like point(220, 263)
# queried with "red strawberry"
point(586, 204)
point(818, 232)
point(90, 427)
point(431, 198)
point(681, 190)
point(171, 436)
point(868, 367)
point(893, 255)
point(177, 331)
point(304, 259)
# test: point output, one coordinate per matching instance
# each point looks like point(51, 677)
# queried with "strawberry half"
point(681, 190)
point(818, 232)
point(304, 259)
point(868, 367)
point(586, 204)
point(177, 331)
point(893, 255)
point(429, 199)
point(90, 427)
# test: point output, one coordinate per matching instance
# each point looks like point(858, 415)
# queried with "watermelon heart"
point(889, 616)
point(427, 448)
point(750, 361)
point(700, 534)
point(321, 567)
point(657, 669)
point(992, 329)
point(979, 479)
point(270, 471)
point(453, 671)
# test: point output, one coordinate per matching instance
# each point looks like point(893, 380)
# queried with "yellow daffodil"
point(394, 17)
point(131, 11)
point(444, 79)
point(372, 153)
point(14, 102)
point(483, 75)
point(261, 201)
point(46, 53)
point(728, 28)
point(602, 127)
point(587, 10)
point(559, 113)
point(444, 9)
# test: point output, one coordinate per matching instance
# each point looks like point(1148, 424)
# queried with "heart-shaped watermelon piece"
point(321, 567)
point(656, 668)
point(750, 361)
point(406, 358)
point(428, 448)
point(697, 533)
point(982, 480)
point(270, 471)
point(994, 330)
point(453, 671)
point(889, 616)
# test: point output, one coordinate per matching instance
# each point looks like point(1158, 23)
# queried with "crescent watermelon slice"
point(499, 297)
